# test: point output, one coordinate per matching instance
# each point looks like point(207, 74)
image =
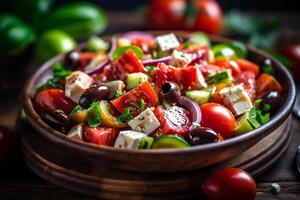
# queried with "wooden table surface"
point(18, 182)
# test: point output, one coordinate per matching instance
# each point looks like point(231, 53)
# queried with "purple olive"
point(72, 60)
point(169, 91)
point(272, 98)
point(57, 119)
point(96, 92)
point(201, 135)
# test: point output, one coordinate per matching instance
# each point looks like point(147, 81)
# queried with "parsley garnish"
point(117, 94)
point(166, 104)
point(268, 68)
point(94, 115)
point(140, 106)
point(261, 115)
point(125, 117)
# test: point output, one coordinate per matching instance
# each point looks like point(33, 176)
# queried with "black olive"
point(72, 60)
point(96, 92)
point(272, 98)
point(202, 135)
point(57, 119)
point(170, 91)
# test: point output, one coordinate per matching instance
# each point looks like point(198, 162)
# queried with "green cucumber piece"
point(169, 141)
point(220, 77)
point(200, 38)
point(133, 80)
point(224, 50)
point(245, 124)
point(146, 143)
point(199, 96)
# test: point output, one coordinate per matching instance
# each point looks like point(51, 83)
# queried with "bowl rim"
point(59, 138)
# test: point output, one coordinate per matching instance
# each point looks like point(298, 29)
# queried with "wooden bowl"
point(161, 160)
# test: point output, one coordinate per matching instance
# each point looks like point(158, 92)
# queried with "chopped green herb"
point(140, 106)
point(117, 94)
point(76, 110)
point(94, 115)
point(267, 68)
point(166, 104)
point(125, 117)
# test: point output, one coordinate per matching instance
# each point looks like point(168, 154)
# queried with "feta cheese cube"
point(76, 132)
point(129, 140)
point(167, 42)
point(76, 84)
point(180, 59)
point(145, 122)
point(236, 99)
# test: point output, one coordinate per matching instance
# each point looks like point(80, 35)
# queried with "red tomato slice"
point(218, 118)
point(246, 65)
point(126, 64)
point(247, 79)
point(266, 83)
point(175, 120)
point(53, 99)
point(226, 63)
point(100, 135)
point(208, 69)
point(187, 77)
point(145, 91)
point(145, 44)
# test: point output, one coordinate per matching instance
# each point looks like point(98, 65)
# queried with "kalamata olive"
point(170, 91)
point(202, 135)
point(57, 119)
point(96, 92)
point(72, 59)
point(272, 98)
point(7, 142)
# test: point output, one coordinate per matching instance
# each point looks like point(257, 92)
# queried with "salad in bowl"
point(140, 91)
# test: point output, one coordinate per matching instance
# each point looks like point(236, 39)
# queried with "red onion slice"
point(137, 34)
point(113, 46)
point(192, 106)
point(98, 68)
point(156, 61)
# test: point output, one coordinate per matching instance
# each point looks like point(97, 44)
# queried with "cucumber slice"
point(245, 124)
point(221, 77)
point(199, 96)
point(146, 143)
point(133, 80)
point(224, 50)
point(169, 141)
point(200, 38)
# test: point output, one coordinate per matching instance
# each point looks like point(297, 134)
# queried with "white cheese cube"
point(167, 42)
point(145, 122)
point(76, 84)
point(76, 132)
point(180, 59)
point(236, 99)
point(129, 140)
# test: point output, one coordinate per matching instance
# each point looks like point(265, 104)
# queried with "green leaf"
point(94, 115)
point(120, 51)
point(125, 117)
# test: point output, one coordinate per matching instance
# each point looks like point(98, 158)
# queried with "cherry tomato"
point(209, 18)
point(266, 83)
point(166, 14)
point(218, 118)
point(175, 120)
point(292, 51)
point(226, 63)
point(230, 183)
point(53, 99)
point(100, 135)
point(7, 142)
point(127, 63)
point(246, 65)
point(145, 91)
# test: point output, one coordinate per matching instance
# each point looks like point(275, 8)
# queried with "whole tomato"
point(166, 14)
point(209, 18)
point(230, 183)
point(292, 51)
point(218, 118)
point(7, 142)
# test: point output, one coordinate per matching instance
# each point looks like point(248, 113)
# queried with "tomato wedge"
point(100, 135)
point(187, 77)
point(175, 120)
point(266, 83)
point(226, 63)
point(246, 65)
point(126, 64)
point(53, 99)
point(145, 91)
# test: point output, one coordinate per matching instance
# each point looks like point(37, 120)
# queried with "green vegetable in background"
point(15, 35)
point(52, 43)
point(77, 19)
point(32, 11)
point(96, 44)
